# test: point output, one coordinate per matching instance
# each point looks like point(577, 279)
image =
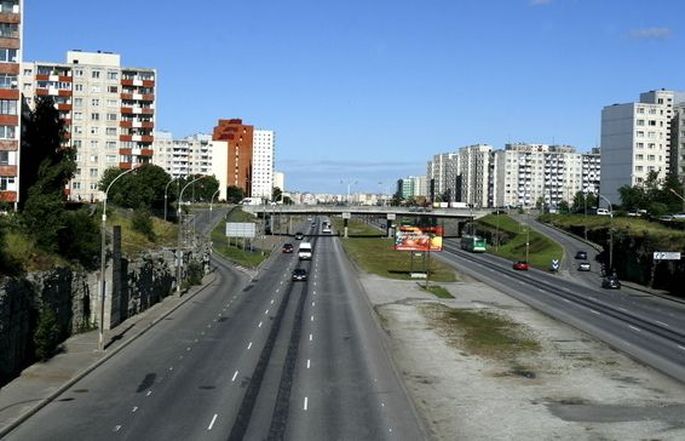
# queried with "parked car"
point(611, 283)
point(299, 274)
point(299, 236)
point(581, 255)
point(521, 265)
point(603, 212)
point(584, 266)
point(288, 248)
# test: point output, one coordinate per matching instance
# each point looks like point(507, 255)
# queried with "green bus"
point(473, 244)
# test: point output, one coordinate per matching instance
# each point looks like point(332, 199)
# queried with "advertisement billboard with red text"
point(418, 239)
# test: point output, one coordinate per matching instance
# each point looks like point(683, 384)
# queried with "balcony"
point(125, 152)
point(125, 165)
point(8, 196)
point(137, 82)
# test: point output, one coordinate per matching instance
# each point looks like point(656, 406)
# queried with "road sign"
point(391, 216)
point(241, 229)
point(555, 264)
point(347, 215)
point(666, 255)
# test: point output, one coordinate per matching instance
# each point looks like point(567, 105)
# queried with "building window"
point(94, 131)
point(640, 122)
point(76, 185)
point(113, 75)
point(93, 158)
point(78, 102)
point(78, 116)
point(111, 131)
point(93, 172)
point(95, 89)
point(8, 81)
point(78, 87)
point(8, 55)
point(113, 89)
point(94, 144)
point(8, 132)
point(78, 73)
point(111, 117)
point(111, 145)
point(95, 102)
point(4, 158)
point(95, 117)
point(639, 157)
point(77, 145)
point(95, 74)
point(7, 183)
point(8, 107)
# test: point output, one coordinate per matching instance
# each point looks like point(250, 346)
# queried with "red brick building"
point(239, 164)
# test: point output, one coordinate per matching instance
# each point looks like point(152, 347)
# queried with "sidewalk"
point(41, 383)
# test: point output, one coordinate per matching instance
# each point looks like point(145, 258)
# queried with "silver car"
point(584, 266)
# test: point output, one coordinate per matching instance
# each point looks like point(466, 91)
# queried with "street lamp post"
point(585, 218)
point(211, 201)
point(611, 234)
point(103, 255)
point(679, 196)
point(166, 196)
point(179, 252)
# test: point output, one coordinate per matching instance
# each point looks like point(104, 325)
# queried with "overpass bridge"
point(390, 214)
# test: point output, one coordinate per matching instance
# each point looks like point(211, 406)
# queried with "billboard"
point(241, 229)
point(418, 239)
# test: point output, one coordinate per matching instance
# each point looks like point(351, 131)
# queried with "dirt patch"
point(565, 386)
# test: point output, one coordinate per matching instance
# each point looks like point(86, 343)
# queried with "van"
point(603, 212)
point(305, 251)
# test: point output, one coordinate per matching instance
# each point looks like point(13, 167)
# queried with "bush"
point(142, 223)
point(80, 239)
point(47, 335)
point(195, 273)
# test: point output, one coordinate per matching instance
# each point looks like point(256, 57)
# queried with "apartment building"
point(11, 13)
point(279, 180)
point(527, 173)
point(591, 171)
point(636, 140)
point(108, 111)
point(677, 153)
point(239, 139)
point(473, 175)
point(192, 155)
point(441, 175)
point(263, 163)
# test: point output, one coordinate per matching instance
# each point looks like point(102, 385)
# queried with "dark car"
point(584, 266)
point(299, 236)
point(581, 255)
point(521, 265)
point(299, 274)
point(288, 248)
point(611, 283)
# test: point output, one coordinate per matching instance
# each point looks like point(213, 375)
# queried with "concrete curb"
point(79, 376)
point(587, 242)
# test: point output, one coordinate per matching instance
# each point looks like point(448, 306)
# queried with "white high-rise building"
point(636, 140)
point(184, 157)
point(263, 163)
point(474, 175)
point(279, 180)
point(527, 173)
point(441, 176)
point(677, 154)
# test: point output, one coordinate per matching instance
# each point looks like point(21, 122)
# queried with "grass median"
point(376, 255)
point(541, 250)
point(250, 258)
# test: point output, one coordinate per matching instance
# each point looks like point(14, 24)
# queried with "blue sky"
point(368, 91)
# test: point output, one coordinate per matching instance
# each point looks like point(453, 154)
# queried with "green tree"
point(144, 187)
point(142, 223)
point(234, 194)
point(276, 194)
point(563, 207)
point(633, 198)
point(200, 191)
point(580, 203)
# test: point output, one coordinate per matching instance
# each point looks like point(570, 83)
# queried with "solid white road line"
point(212, 423)
point(663, 324)
point(306, 403)
point(249, 346)
point(235, 375)
point(681, 347)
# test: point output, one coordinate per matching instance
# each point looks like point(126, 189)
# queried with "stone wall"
point(131, 287)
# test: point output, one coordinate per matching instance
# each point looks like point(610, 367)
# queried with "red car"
point(521, 265)
point(288, 248)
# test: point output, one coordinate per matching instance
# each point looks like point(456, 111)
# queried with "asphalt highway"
point(267, 358)
point(653, 333)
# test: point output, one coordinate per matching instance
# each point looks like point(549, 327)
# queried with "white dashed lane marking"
point(135, 409)
point(211, 424)
point(306, 403)
point(249, 346)
point(235, 375)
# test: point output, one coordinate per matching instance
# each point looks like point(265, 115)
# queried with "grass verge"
point(376, 255)
point(481, 333)
point(438, 291)
point(133, 242)
point(541, 250)
point(247, 258)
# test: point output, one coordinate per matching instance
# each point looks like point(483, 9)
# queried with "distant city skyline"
point(371, 97)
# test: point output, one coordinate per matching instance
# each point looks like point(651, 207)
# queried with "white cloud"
point(655, 33)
